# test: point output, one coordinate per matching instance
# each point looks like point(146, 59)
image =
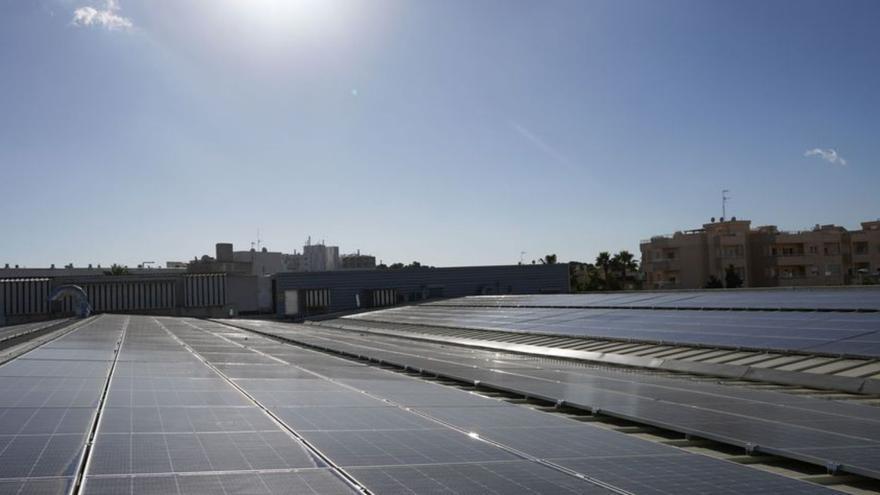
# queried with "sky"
point(450, 132)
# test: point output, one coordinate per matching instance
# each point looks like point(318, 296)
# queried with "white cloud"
point(106, 17)
point(830, 155)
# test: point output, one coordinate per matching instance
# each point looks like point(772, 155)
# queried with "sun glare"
point(290, 16)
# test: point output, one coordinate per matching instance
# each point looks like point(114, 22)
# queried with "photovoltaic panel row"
point(48, 401)
point(14, 331)
point(831, 333)
point(388, 453)
point(171, 424)
point(795, 426)
point(842, 298)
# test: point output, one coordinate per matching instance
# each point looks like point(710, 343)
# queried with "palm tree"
point(626, 263)
point(603, 261)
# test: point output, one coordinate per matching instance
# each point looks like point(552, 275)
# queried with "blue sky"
point(451, 132)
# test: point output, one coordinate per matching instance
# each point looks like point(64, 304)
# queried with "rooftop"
point(639, 392)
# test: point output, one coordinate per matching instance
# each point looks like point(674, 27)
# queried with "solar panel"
point(184, 420)
point(13, 331)
point(36, 486)
point(24, 456)
point(401, 447)
point(835, 298)
point(45, 420)
point(50, 391)
point(304, 419)
point(303, 481)
point(499, 478)
point(850, 333)
point(771, 421)
point(668, 475)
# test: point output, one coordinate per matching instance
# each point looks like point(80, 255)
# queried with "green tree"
point(603, 261)
point(116, 270)
point(714, 283)
point(624, 262)
point(550, 259)
point(732, 280)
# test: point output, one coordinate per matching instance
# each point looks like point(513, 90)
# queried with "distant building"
point(357, 261)
point(320, 258)
point(294, 262)
point(866, 251)
point(223, 262)
point(263, 262)
point(299, 295)
point(763, 256)
point(176, 264)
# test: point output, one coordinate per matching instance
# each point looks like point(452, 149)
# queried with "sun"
point(298, 16)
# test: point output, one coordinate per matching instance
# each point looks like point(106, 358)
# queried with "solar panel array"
point(423, 436)
point(808, 299)
point(198, 407)
point(838, 333)
point(15, 331)
point(817, 431)
point(172, 424)
point(48, 400)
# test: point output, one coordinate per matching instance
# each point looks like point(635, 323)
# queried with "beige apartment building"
point(762, 256)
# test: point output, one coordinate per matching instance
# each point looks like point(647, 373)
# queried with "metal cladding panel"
point(112, 296)
point(205, 290)
point(26, 296)
point(347, 285)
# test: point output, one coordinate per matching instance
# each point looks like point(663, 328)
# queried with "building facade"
point(357, 261)
point(301, 294)
point(762, 256)
point(320, 258)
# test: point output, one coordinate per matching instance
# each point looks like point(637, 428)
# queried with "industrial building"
point(762, 256)
point(193, 294)
point(308, 294)
point(245, 282)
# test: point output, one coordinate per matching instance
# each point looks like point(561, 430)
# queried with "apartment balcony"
point(666, 265)
point(796, 260)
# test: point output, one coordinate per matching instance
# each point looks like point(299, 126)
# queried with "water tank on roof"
point(224, 252)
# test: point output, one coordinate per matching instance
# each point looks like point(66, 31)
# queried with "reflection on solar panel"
point(843, 298)
point(256, 416)
point(395, 455)
point(799, 427)
point(815, 332)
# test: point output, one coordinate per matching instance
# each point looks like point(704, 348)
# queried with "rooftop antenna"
point(259, 241)
point(724, 198)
